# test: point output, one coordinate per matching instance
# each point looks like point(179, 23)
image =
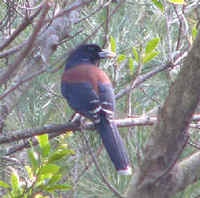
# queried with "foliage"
point(44, 175)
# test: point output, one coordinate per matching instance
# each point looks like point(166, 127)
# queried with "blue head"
point(87, 54)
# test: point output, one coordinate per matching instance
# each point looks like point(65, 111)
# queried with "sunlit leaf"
point(158, 4)
point(4, 185)
point(113, 44)
point(131, 67)
point(15, 181)
point(49, 168)
point(54, 179)
point(177, 1)
point(121, 58)
point(29, 171)
point(40, 196)
point(194, 31)
point(151, 45)
point(135, 53)
point(44, 144)
point(59, 187)
point(34, 159)
point(59, 155)
point(150, 56)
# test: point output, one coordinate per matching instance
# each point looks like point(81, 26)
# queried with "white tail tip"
point(127, 171)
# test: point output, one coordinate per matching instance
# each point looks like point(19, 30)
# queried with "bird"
point(89, 92)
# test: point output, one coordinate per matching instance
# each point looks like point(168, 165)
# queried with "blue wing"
point(82, 98)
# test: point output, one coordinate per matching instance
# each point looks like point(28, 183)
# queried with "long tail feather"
point(114, 145)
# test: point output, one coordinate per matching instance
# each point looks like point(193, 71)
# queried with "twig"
point(22, 82)
point(143, 78)
point(106, 27)
point(13, 50)
point(133, 83)
point(180, 31)
point(91, 14)
point(89, 165)
point(99, 169)
point(64, 12)
point(195, 145)
point(101, 25)
point(5, 76)
point(24, 24)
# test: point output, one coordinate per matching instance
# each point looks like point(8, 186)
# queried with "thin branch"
point(73, 126)
point(22, 82)
point(180, 30)
point(5, 76)
point(27, 133)
point(101, 25)
point(89, 164)
point(13, 50)
point(133, 83)
point(143, 78)
point(106, 26)
point(25, 23)
point(67, 11)
point(99, 169)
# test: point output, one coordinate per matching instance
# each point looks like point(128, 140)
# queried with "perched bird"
point(89, 92)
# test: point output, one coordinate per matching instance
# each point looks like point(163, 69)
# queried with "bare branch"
point(72, 126)
point(143, 78)
point(11, 68)
point(117, 194)
point(25, 23)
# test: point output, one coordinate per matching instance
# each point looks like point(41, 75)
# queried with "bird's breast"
point(87, 74)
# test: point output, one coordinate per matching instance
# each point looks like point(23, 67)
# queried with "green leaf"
point(40, 196)
point(177, 1)
point(158, 4)
point(44, 144)
point(131, 67)
point(54, 179)
point(42, 179)
point(150, 56)
point(135, 53)
point(113, 44)
point(29, 171)
point(34, 159)
point(59, 187)
point(15, 182)
point(194, 31)
point(151, 45)
point(59, 155)
point(49, 168)
point(4, 185)
point(121, 58)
